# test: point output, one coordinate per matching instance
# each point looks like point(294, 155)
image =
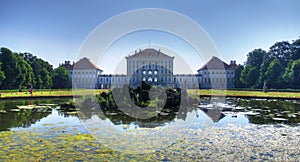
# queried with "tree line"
point(24, 70)
point(277, 68)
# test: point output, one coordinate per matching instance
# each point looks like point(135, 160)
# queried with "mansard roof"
point(85, 63)
point(215, 64)
point(148, 53)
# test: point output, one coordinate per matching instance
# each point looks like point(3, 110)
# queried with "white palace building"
point(155, 68)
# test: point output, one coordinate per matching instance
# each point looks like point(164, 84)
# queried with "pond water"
point(244, 112)
point(230, 120)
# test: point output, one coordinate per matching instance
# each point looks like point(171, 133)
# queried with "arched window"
point(144, 72)
point(150, 72)
point(144, 79)
point(155, 72)
point(155, 79)
point(149, 79)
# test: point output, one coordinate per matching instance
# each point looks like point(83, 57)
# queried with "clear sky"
point(55, 30)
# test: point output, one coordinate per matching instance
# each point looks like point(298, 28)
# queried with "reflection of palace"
point(156, 68)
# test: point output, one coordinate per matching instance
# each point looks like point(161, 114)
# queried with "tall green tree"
point(61, 78)
point(47, 80)
point(295, 50)
point(25, 77)
point(274, 73)
point(249, 76)
point(2, 75)
point(282, 51)
point(255, 58)
point(9, 67)
point(237, 76)
point(42, 70)
point(295, 74)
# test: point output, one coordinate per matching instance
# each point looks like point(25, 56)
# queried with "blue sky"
point(55, 30)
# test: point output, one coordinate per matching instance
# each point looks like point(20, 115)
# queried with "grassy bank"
point(202, 92)
point(239, 93)
point(47, 93)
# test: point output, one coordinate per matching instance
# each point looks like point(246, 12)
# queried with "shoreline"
point(203, 95)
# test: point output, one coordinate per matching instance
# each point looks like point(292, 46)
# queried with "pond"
point(268, 129)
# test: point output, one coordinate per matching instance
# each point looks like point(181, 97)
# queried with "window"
point(150, 72)
point(149, 79)
point(144, 72)
point(155, 72)
point(155, 79)
point(144, 78)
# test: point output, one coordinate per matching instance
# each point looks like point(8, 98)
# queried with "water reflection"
point(15, 118)
point(233, 111)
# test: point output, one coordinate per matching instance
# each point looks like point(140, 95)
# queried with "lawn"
point(237, 93)
point(202, 92)
point(48, 92)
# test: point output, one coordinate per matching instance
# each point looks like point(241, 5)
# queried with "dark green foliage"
point(249, 76)
point(2, 75)
point(255, 58)
point(277, 67)
point(273, 73)
point(23, 70)
point(17, 71)
point(295, 74)
point(238, 72)
point(282, 51)
point(42, 71)
point(61, 78)
point(141, 96)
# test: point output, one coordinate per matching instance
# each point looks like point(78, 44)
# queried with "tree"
point(25, 75)
point(9, 67)
point(238, 71)
point(249, 76)
point(2, 75)
point(274, 73)
point(47, 80)
point(286, 77)
point(255, 58)
point(61, 78)
point(282, 51)
point(295, 50)
point(295, 74)
point(42, 70)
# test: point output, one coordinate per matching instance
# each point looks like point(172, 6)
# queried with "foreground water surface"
point(238, 129)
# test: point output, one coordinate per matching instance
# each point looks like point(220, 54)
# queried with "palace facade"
point(155, 68)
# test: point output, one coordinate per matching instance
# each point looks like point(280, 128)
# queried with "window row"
point(216, 80)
